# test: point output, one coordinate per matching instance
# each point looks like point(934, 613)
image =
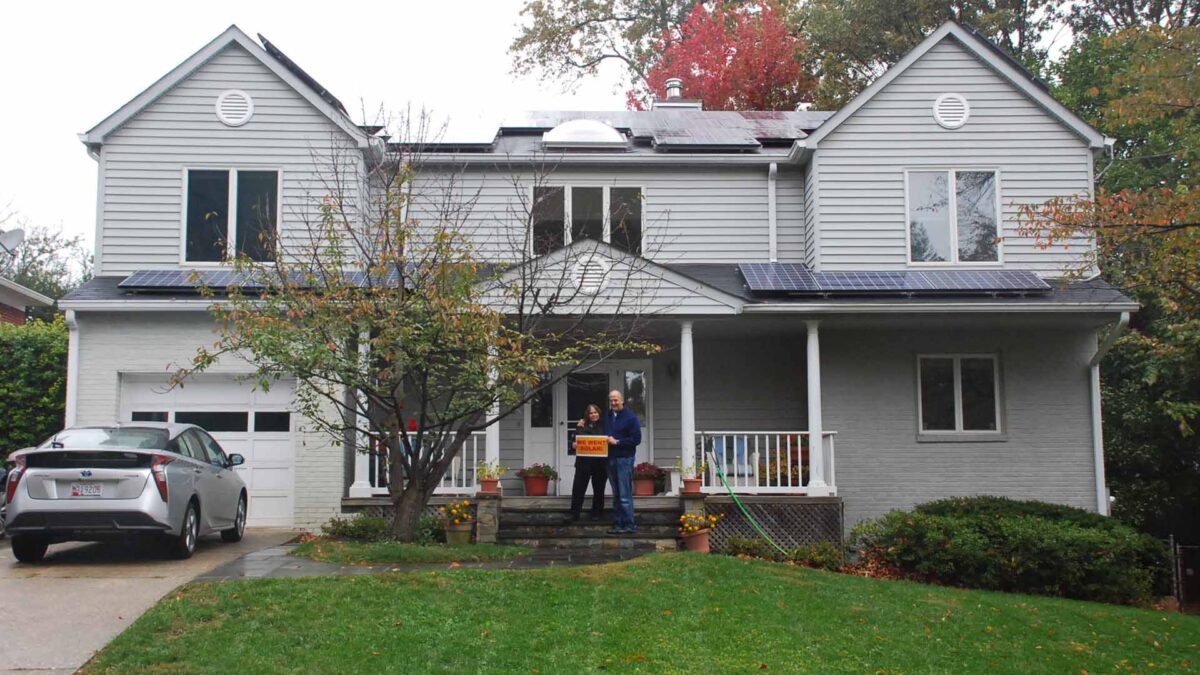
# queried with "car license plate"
point(85, 489)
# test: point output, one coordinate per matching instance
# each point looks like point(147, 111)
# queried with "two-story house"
point(847, 305)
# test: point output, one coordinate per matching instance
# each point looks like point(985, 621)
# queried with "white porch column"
point(816, 445)
point(491, 445)
point(361, 487)
point(687, 399)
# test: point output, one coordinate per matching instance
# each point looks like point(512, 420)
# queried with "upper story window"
point(959, 393)
point(252, 197)
point(953, 216)
point(562, 215)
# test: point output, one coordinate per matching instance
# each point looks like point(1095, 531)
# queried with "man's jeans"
point(620, 475)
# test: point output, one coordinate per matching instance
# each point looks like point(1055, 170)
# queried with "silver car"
point(94, 483)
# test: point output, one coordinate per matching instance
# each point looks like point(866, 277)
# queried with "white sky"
point(64, 68)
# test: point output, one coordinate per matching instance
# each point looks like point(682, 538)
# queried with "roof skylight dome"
point(584, 134)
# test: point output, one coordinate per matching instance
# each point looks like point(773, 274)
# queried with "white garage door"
point(255, 424)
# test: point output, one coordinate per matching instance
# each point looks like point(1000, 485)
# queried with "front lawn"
point(673, 612)
point(381, 552)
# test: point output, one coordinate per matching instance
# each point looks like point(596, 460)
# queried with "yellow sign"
point(591, 446)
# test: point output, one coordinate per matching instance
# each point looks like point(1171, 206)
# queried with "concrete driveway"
point(58, 613)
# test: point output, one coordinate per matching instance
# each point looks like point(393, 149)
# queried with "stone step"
point(553, 518)
point(563, 503)
point(622, 542)
point(581, 531)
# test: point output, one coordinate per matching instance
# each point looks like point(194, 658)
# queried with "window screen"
point(549, 207)
point(625, 218)
point(257, 196)
point(587, 214)
point(937, 394)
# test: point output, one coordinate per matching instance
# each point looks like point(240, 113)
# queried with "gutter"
point(72, 369)
point(586, 159)
point(1097, 419)
point(939, 307)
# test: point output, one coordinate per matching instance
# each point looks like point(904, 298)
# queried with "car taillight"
point(14, 477)
point(159, 469)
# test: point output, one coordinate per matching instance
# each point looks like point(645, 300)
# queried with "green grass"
point(380, 552)
point(673, 612)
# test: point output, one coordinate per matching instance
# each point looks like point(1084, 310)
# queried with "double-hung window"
point(953, 216)
point(229, 213)
point(959, 393)
point(562, 215)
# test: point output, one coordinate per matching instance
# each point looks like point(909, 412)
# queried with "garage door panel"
point(269, 471)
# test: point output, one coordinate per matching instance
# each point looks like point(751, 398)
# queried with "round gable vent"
point(591, 275)
point(234, 108)
point(951, 110)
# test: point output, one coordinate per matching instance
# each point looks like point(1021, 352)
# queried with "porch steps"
point(540, 522)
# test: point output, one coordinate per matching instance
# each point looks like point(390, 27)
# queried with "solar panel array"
point(167, 280)
point(797, 279)
point(687, 128)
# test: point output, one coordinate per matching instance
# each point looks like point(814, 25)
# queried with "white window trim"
point(958, 432)
point(231, 235)
point(953, 210)
point(606, 204)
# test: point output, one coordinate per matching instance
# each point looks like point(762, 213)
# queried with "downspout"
point(72, 368)
point(1097, 426)
point(772, 224)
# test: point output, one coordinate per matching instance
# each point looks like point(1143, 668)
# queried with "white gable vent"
point(591, 275)
point(951, 110)
point(234, 108)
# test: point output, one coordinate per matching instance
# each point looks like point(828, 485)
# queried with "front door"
point(573, 394)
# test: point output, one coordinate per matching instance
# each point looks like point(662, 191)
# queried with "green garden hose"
point(749, 518)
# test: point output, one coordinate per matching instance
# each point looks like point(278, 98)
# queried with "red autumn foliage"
point(733, 57)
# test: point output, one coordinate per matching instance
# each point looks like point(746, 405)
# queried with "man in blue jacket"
point(624, 434)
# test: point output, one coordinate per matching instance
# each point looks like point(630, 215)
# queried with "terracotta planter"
point(697, 541)
point(458, 534)
point(643, 487)
point(489, 486)
point(536, 486)
point(691, 486)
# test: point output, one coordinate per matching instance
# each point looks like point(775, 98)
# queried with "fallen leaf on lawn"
point(454, 565)
point(666, 612)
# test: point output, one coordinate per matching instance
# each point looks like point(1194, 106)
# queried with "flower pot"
point(643, 487)
point(536, 486)
point(697, 541)
point(489, 486)
point(458, 534)
point(691, 486)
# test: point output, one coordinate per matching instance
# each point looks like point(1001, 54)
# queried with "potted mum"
point(644, 477)
point(458, 518)
point(489, 474)
point(537, 479)
point(694, 528)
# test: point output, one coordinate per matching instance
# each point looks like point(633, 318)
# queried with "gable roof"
point(28, 296)
point(996, 58)
point(283, 67)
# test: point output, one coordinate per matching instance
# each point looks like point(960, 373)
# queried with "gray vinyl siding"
point(143, 162)
point(789, 215)
point(869, 397)
point(689, 214)
point(862, 162)
point(113, 344)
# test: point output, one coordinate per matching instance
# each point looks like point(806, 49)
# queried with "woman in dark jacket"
point(589, 469)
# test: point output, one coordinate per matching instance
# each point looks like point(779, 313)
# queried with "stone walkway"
point(276, 563)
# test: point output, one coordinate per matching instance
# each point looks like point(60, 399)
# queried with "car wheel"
point(29, 548)
point(183, 545)
point(234, 534)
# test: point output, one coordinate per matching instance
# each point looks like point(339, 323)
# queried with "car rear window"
point(110, 437)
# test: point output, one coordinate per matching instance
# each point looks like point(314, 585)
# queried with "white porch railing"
point(762, 462)
point(459, 479)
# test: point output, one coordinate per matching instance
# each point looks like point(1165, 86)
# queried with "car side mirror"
point(235, 460)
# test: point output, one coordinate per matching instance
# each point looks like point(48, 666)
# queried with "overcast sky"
point(65, 68)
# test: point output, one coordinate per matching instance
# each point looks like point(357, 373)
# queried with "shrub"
point(752, 547)
point(359, 528)
point(823, 555)
point(1022, 547)
point(430, 531)
point(33, 382)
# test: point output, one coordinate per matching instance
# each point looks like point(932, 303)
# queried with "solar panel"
point(797, 279)
point(164, 280)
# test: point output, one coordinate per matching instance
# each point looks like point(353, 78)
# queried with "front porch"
point(771, 386)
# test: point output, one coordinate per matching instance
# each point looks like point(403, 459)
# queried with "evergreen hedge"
point(1019, 546)
point(33, 382)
